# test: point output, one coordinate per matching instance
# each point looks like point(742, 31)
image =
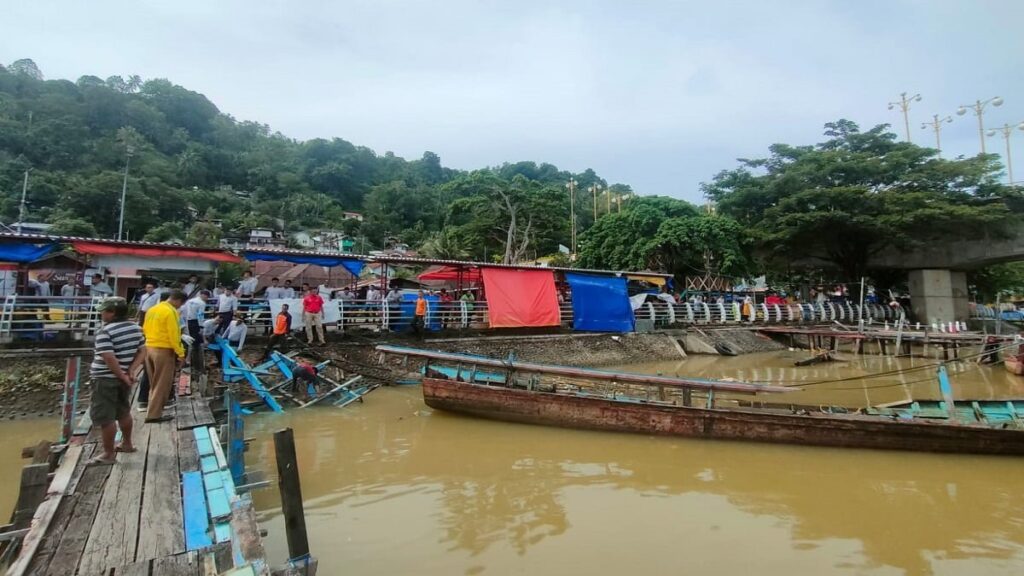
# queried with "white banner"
point(332, 311)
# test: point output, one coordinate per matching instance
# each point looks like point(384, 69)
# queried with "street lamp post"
point(1007, 130)
point(979, 111)
point(571, 185)
point(904, 105)
point(594, 189)
point(936, 125)
point(124, 191)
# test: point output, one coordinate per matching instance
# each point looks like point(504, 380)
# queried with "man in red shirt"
point(313, 314)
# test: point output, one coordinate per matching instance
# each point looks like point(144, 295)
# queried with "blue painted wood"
point(213, 480)
point(208, 464)
point(229, 484)
point(222, 532)
point(197, 524)
point(233, 367)
point(201, 433)
point(204, 447)
point(220, 506)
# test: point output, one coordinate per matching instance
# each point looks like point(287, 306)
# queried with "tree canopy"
point(189, 164)
point(842, 201)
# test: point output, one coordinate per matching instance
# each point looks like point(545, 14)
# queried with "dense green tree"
point(619, 241)
point(190, 165)
point(695, 245)
point(844, 200)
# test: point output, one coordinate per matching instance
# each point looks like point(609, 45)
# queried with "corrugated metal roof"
point(416, 261)
point(126, 243)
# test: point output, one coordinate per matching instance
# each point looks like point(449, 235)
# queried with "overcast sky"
point(659, 95)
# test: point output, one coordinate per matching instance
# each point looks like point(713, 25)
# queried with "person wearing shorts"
point(119, 353)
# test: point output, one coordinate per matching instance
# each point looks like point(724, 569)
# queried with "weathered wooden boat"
point(602, 400)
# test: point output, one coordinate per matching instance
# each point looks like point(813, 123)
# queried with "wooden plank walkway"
point(129, 518)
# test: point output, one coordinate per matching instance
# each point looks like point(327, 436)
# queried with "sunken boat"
point(570, 397)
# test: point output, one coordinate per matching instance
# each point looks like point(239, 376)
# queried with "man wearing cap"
point(164, 352)
point(118, 354)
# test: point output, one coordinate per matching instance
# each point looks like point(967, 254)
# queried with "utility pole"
point(24, 195)
point(571, 185)
point(936, 125)
point(24, 185)
point(904, 105)
point(594, 189)
point(124, 191)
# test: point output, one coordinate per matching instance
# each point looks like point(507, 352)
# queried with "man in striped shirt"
point(119, 353)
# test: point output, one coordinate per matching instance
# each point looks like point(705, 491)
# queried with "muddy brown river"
point(392, 487)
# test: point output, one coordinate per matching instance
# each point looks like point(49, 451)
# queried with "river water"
point(392, 487)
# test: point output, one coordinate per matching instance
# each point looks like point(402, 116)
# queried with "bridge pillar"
point(938, 295)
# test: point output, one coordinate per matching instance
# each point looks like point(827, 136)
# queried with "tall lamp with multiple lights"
point(904, 105)
point(979, 110)
point(936, 126)
point(1007, 131)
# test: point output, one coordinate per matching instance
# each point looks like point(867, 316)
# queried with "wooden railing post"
point(291, 494)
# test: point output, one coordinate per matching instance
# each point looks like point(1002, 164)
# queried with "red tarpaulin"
point(102, 249)
point(451, 274)
point(518, 298)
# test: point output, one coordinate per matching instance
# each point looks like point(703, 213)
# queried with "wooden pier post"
point(69, 399)
point(291, 494)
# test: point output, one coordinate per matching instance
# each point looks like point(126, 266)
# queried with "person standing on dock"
point(164, 352)
point(195, 313)
point(149, 298)
point(419, 319)
point(118, 354)
point(282, 327)
point(313, 314)
point(247, 286)
point(227, 304)
point(99, 288)
point(192, 287)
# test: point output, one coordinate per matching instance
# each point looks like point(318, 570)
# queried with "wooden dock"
point(171, 508)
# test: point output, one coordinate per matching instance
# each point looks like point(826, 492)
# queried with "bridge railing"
point(24, 318)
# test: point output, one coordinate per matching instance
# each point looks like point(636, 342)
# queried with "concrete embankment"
point(725, 341)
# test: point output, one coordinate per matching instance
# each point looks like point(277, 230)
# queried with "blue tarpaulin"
point(408, 308)
point(600, 303)
point(353, 265)
point(23, 252)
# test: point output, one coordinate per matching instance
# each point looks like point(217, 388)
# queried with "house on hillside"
point(352, 216)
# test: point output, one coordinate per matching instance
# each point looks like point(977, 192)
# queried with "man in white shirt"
point(226, 306)
point(289, 290)
point(150, 297)
point(193, 313)
point(372, 294)
point(191, 289)
point(247, 287)
point(99, 288)
point(210, 328)
point(236, 333)
point(274, 291)
point(41, 287)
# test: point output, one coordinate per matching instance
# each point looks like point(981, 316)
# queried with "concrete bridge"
point(937, 276)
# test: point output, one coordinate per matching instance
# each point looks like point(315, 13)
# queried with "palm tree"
point(444, 245)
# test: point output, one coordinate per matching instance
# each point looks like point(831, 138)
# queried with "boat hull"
point(845, 431)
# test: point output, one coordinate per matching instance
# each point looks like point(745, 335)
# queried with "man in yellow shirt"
point(164, 352)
